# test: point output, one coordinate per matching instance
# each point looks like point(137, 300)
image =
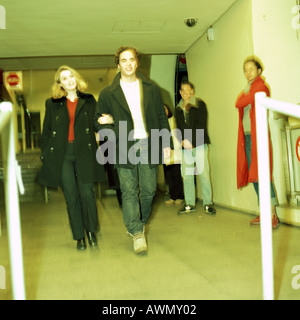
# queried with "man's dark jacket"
point(112, 101)
point(195, 119)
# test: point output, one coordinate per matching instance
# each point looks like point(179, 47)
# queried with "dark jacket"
point(54, 141)
point(112, 101)
point(197, 119)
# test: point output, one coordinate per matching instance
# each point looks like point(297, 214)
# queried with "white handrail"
point(12, 201)
point(262, 103)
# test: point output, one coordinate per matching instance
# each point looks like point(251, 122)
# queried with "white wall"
point(162, 71)
point(277, 42)
point(264, 28)
point(216, 69)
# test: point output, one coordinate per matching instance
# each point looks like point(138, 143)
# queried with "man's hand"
point(105, 119)
point(186, 144)
point(167, 152)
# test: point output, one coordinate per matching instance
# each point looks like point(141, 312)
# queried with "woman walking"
point(68, 146)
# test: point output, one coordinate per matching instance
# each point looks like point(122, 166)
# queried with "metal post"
point(12, 207)
point(264, 196)
point(262, 103)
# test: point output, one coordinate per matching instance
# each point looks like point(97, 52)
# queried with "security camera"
point(190, 22)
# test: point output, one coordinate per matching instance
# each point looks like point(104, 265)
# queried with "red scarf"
point(71, 108)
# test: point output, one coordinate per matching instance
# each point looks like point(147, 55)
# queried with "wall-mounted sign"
point(298, 148)
point(13, 80)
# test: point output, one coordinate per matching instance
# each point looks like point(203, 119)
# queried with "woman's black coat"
point(54, 141)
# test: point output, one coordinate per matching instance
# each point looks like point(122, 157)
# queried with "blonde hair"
point(58, 91)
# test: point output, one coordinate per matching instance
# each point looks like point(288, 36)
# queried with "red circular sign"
point(13, 79)
point(298, 148)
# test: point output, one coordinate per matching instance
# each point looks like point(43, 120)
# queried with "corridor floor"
point(190, 257)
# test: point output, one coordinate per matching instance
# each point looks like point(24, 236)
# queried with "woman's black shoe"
point(92, 239)
point(81, 244)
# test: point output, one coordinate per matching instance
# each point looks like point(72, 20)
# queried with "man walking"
point(133, 108)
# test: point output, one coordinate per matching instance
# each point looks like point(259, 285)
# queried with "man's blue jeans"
point(190, 157)
point(138, 187)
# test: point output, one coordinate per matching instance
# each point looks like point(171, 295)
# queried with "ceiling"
point(44, 34)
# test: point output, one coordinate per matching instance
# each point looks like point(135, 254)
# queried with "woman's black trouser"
point(79, 196)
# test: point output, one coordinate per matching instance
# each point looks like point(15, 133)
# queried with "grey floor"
point(191, 257)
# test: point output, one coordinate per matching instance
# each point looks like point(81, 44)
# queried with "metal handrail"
point(12, 179)
point(262, 104)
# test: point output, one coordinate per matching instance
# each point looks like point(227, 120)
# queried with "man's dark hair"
point(122, 49)
point(188, 83)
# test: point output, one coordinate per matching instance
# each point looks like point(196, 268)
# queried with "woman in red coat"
point(247, 168)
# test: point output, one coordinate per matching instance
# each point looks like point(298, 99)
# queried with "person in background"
point(247, 166)
point(111, 173)
point(172, 166)
point(68, 152)
point(191, 118)
point(133, 108)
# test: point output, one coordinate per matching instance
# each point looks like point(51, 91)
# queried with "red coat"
point(244, 174)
